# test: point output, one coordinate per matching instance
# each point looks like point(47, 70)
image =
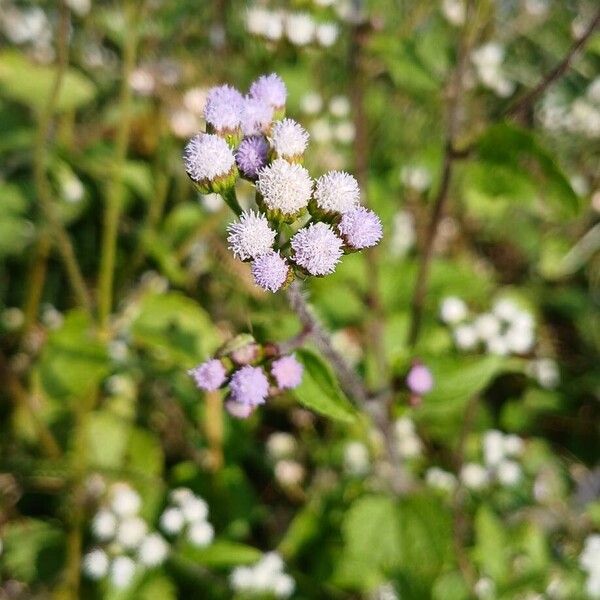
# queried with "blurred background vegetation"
point(115, 279)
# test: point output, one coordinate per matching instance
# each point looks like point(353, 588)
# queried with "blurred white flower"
point(346, 343)
point(474, 476)
point(327, 34)
point(153, 550)
point(194, 100)
point(409, 446)
point(172, 520)
point(339, 106)
point(416, 177)
point(194, 509)
point(487, 326)
point(356, 458)
point(493, 447)
point(122, 571)
point(142, 81)
point(321, 131)
point(183, 123)
point(404, 426)
point(403, 233)
point(79, 7)
point(485, 588)
point(385, 591)
point(311, 103)
point(265, 577)
point(299, 28)
point(345, 132)
point(125, 501)
point(537, 8)
point(289, 472)
point(201, 533)
point(104, 525)
point(513, 445)
point(509, 473)
point(95, 564)
point(545, 370)
point(12, 318)
point(453, 310)
point(440, 480)
point(281, 445)
point(497, 345)
point(131, 531)
point(454, 11)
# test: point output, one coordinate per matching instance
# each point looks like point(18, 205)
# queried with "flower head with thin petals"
point(270, 271)
point(256, 116)
point(251, 155)
point(285, 187)
point(251, 236)
point(223, 108)
point(360, 228)
point(210, 375)
point(289, 139)
point(249, 385)
point(337, 192)
point(317, 249)
point(207, 157)
point(287, 372)
point(270, 89)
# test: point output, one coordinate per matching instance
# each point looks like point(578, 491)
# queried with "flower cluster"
point(247, 136)
point(589, 560)
point(282, 449)
point(125, 545)
point(409, 444)
point(298, 28)
point(265, 578)
point(487, 60)
point(329, 120)
point(506, 329)
point(251, 372)
point(187, 514)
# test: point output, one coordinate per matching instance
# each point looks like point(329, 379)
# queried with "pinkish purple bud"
point(210, 375)
point(287, 372)
point(419, 379)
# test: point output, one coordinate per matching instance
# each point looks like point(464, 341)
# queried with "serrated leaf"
point(319, 389)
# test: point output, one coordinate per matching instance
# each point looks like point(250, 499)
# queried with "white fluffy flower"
point(404, 427)
point(131, 532)
point(520, 340)
point(454, 11)
point(545, 370)
point(409, 446)
point(321, 131)
point(505, 309)
point(474, 476)
point(484, 588)
point(207, 157)
point(497, 345)
point(493, 447)
point(266, 577)
point(317, 249)
point(416, 177)
point(300, 28)
point(251, 236)
point(356, 458)
point(440, 480)
point(513, 445)
point(125, 501)
point(311, 103)
point(104, 525)
point(491, 53)
point(487, 326)
point(465, 337)
point(327, 34)
point(589, 559)
point(288, 138)
point(345, 132)
point(281, 445)
point(194, 509)
point(289, 472)
point(453, 310)
point(172, 520)
point(122, 571)
point(509, 473)
point(153, 550)
point(201, 533)
point(181, 495)
point(285, 187)
point(403, 233)
point(339, 106)
point(337, 191)
point(95, 564)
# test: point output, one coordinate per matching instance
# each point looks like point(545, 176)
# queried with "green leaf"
point(372, 543)
point(174, 328)
point(492, 551)
point(319, 389)
point(73, 361)
point(106, 439)
point(222, 554)
point(29, 83)
point(15, 229)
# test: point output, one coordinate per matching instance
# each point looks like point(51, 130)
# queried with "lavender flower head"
point(251, 236)
point(289, 139)
point(287, 372)
point(210, 375)
point(256, 116)
point(270, 89)
point(360, 228)
point(223, 108)
point(251, 156)
point(317, 249)
point(239, 410)
point(270, 271)
point(337, 192)
point(285, 187)
point(249, 385)
point(206, 157)
point(419, 380)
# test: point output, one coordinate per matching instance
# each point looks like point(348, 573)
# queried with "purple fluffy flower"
point(270, 89)
point(239, 410)
point(223, 108)
point(256, 116)
point(360, 228)
point(270, 271)
point(251, 236)
point(287, 372)
point(249, 385)
point(419, 379)
point(317, 249)
point(210, 375)
point(251, 156)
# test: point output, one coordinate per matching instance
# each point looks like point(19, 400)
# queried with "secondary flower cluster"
point(251, 373)
point(265, 578)
point(300, 227)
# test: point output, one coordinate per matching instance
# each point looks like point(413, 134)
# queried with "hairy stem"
point(114, 196)
point(40, 160)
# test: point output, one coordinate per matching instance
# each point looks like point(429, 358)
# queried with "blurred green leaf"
point(107, 437)
point(319, 389)
point(15, 229)
point(29, 83)
point(222, 554)
point(492, 550)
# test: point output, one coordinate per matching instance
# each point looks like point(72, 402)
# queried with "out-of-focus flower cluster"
point(265, 578)
point(301, 227)
point(251, 373)
point(589, 561)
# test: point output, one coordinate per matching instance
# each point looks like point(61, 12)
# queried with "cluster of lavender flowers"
point(300, 227)
point(250, 376)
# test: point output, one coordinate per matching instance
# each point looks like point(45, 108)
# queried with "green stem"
point(230, 197)
point(114, 196)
